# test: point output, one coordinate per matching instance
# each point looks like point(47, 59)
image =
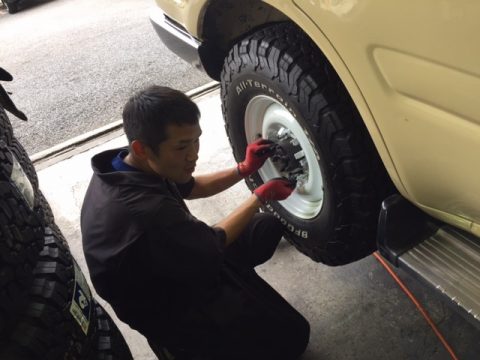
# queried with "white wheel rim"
point(266, 117)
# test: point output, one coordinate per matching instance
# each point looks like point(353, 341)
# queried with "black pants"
point(249, 320)
point(256, 243)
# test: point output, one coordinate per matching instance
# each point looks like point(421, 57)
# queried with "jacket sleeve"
point(182, 247)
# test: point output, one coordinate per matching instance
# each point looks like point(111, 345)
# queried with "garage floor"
point(355, 311)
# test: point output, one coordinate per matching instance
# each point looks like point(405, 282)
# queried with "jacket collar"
point(102, 167)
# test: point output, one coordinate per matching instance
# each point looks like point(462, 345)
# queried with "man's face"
point(176, 157)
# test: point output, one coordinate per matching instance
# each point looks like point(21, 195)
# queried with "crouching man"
point(188, 287)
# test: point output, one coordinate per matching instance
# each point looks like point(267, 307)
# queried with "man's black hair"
point(147, 114)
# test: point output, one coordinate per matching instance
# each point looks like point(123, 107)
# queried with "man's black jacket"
point(147, 255)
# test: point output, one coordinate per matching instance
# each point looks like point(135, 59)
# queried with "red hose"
point(417, 304)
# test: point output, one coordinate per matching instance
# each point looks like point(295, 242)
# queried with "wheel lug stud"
point(281, 132)
point(299, 155)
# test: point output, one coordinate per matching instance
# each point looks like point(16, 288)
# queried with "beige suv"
point(373, 105)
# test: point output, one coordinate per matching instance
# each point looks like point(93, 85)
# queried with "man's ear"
point(139, 150)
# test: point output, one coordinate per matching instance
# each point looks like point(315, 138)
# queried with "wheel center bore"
point(289, 158)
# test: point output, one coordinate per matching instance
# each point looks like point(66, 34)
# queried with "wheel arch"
point(219, 35)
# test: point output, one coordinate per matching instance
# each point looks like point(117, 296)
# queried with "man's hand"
point(275, 189)
point(256, 154)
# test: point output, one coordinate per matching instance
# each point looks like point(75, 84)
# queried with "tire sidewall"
point(240, 91)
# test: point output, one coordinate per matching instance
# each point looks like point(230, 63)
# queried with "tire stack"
point(46, 308)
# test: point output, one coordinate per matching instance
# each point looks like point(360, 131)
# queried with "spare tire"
point(21, 238)
point(58, 321)
point(277, 84)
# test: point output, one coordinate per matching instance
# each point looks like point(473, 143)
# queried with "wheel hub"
point(295, 156)
point(289, 158)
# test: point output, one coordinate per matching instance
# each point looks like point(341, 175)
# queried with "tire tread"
point(46, 327)
point(21, 234)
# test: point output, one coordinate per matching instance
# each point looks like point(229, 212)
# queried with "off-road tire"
point(282, 63)
point(47, 329)
point(109, 342)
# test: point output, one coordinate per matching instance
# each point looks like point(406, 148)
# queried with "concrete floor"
point(355, 311)
point(73, 62)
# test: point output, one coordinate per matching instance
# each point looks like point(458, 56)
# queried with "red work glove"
point(275, 189)
point(256, 154)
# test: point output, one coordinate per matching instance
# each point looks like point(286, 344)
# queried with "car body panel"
point(185, 12)
point(417, 69)
point(413, 73)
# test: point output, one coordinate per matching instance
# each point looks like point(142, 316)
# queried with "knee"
point(270, 224)
point(304, 336)
point(294, 339)
point(299, 338)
